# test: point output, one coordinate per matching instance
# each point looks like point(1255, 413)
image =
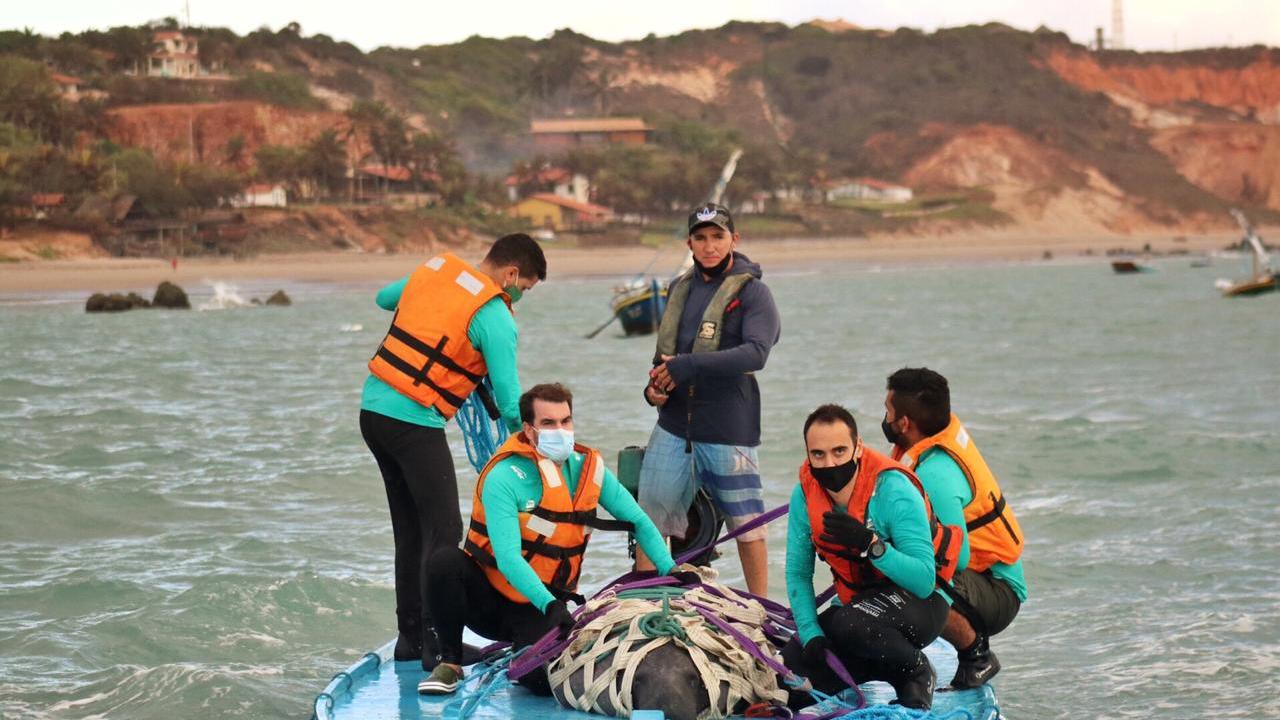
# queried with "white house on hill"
point(261, 195)
point(868, 189)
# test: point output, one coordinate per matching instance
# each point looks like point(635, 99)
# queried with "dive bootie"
point(409, 643)
point(976, 665)
point(915, 689)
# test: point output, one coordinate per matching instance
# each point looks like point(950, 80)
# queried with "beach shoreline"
point(100, 274)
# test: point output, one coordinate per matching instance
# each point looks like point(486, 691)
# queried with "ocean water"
point(190, 525)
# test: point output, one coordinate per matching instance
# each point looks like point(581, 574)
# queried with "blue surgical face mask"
point(555, 444)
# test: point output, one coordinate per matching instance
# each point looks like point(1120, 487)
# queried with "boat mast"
point(1261, 262)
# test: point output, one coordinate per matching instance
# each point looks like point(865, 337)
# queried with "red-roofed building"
point(556, 180)
point(545, 210)
point(568, 132)
point(68, 85)
point(40, 205)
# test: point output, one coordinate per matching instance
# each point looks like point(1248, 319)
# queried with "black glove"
point(687, 577)
point(815, 652)
point(842, 529)
point(558, 613)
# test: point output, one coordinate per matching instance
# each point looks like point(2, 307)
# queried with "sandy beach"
point(122, 274)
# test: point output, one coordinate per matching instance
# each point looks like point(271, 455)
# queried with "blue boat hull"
point(378, 688)
point(640, 311)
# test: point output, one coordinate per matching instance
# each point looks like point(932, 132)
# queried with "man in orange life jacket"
point(534, 509)
point(453, 326)
point(868, 519)
point(989, 586)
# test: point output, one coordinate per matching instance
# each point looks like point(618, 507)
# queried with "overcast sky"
point(1149, 24)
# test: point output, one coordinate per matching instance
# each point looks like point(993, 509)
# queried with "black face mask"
point(836, 477)
point(716, 270)
point(890, 434)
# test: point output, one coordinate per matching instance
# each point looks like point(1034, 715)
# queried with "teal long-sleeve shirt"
point(513, 485)
point(949, 492)
point(896, 513)
point(492, 331)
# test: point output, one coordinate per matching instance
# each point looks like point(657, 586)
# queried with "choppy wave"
point(192, 527)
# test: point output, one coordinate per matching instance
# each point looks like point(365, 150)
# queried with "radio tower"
point(1117, 24)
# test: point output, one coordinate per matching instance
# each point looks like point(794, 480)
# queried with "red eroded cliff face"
point(204, 132)
point(1041, 187)
point(1239, 162)
point(1251, 90)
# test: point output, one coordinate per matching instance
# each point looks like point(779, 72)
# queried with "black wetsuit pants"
point(460, 595)
point(879, 636)
point(422, 493)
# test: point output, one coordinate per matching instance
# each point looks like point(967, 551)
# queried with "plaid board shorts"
point(669, 478)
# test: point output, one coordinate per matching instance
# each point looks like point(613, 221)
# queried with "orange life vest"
point(851, 572)
point(553, 534)
point(990, 542)
point(426, 354)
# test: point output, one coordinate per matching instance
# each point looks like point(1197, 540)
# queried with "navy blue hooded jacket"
point(725, 404)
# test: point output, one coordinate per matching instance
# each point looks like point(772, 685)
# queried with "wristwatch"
point(875, 550)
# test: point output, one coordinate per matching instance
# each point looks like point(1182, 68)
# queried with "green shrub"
point(277, 88)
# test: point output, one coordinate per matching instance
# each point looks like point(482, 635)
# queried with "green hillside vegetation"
point(837, 91)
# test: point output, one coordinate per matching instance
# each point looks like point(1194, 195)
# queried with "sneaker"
point(915, 691)
point(975, 668)
point(442, 681)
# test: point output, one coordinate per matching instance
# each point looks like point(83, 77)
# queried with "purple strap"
point(551, 644)
point(710, 616)
point(842, 672)
point(748, 526)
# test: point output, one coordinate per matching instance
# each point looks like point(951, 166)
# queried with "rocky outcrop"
point(167, 295)
point(115, 302)
point(279, 298)
point(170, 296)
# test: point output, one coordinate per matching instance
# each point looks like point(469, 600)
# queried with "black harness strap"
point(434, 354)
point(995, 513)
point(940, 555)
point(419, 376)
point(530, 547)
point(587, 518)
point(486, 399)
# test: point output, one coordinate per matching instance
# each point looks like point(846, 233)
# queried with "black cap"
point(710, 214)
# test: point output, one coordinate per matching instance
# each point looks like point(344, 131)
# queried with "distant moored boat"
point(1264, 279)
point(1126, 267)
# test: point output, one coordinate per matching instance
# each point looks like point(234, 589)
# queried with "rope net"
point(597, 671)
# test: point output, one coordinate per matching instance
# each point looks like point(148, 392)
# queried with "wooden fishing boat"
point(639, 306)
point(1263, 279)
point(1127, 267)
